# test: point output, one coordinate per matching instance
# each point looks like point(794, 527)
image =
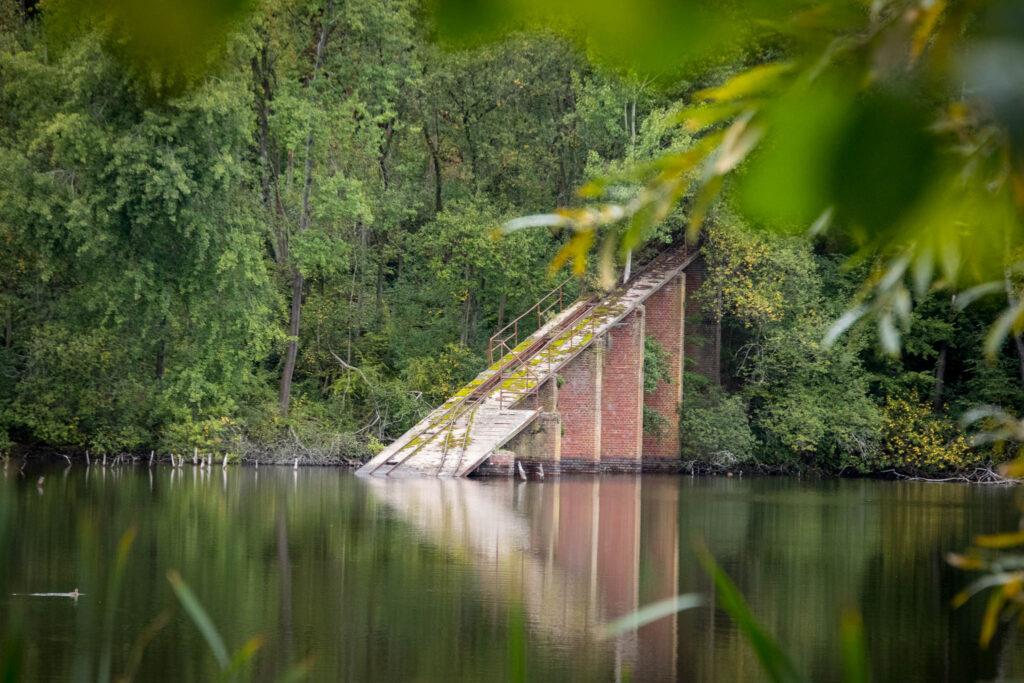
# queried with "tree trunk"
point(433, 146)
point(380, 289)
point(940, 365)
point(467, 309)
point(632, 126)
point(940, 378)
point(297, 278)
point(1011, 301)
point(161, 358)
point(467, 306)
point(293, 341)
point(270, 166)
point(717, 379)
point(471, 148)
point(285, 573)
point(352, 323)
point(262, 94)
point(1019, 343)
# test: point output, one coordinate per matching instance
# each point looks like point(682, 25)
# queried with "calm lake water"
point(432, 580)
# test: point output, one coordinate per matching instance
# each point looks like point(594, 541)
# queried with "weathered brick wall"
point(622, 392)
point(600, 401)
point(579, 403)
point(665, 322)
point(703, 334)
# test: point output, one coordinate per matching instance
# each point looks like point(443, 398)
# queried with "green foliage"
point(656, 370)
point(440, 376)
point(810, 401)
point(713, 426)
point(914, 439)
point(798, 404)
point(168, 44)
point(305, 206)
point(158, 216)
point(997, 557)
point(652, 613)
point(656, 365)
point(892, 127)
point(774, 661)
point(808, 406)
point(150, 297)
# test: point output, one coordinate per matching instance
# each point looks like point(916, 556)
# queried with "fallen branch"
point(980, 475)
point(373, 393)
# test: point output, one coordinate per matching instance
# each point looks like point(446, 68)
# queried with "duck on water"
point(73, 595)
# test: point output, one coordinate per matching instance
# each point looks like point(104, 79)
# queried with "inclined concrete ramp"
point(456, 438)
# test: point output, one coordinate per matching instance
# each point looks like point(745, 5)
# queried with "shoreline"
point(982, 475)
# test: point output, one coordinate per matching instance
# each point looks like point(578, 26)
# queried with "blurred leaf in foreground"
point(169, 43)
point(898, 126)
point(229, 665)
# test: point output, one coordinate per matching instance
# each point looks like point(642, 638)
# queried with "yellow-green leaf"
point(750, 82)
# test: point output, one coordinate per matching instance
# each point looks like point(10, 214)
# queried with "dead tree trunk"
point(295, 312)
point(433, 146)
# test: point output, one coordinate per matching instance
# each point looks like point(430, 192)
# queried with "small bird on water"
point(73, 595)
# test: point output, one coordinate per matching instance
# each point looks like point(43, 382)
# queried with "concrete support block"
point(547, 395)
point(666, 314)
point(500, 464)
point(539, 447)
point(622, 393)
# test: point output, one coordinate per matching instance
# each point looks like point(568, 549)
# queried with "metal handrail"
point(514, 363)
point(540, 309)
point(517, 362)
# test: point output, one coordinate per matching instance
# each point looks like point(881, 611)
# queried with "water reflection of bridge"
point(588, 552)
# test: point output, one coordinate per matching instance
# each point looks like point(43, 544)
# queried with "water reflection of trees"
point(495, 580)
point(800, 552)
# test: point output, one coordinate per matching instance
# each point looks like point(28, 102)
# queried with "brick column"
point(665, 322)
point(579, 402)
point(622, 393)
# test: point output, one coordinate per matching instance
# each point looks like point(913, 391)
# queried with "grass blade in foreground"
point(774, 661)
point(652, 612)
point(200, 617)
point(855, 650)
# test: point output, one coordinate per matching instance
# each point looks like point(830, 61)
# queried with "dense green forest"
point(290, 248)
